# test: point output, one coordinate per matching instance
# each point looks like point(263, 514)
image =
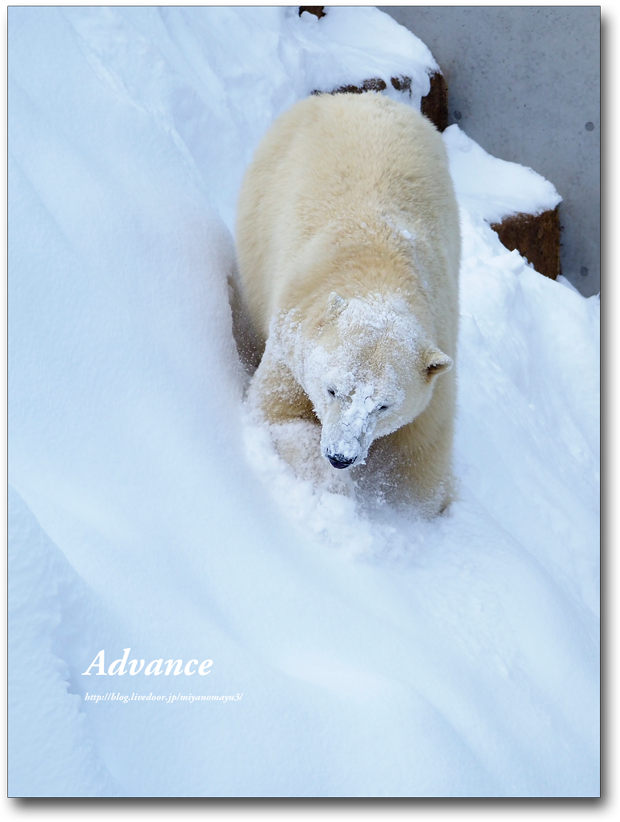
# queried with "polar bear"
point(348, 254)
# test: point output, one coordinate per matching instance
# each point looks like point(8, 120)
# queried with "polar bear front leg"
point(277, 398)
point(275, 394)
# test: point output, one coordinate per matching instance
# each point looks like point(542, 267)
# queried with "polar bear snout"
point(347, 433)
point(344, 451)
point(340, 461)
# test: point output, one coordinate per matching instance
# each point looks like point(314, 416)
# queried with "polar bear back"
point(348, 174)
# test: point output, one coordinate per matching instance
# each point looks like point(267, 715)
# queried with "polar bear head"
point(368, 369)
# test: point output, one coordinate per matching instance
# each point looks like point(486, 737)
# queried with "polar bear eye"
point(331, 392)
point(383, 408)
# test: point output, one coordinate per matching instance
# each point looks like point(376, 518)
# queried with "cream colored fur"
point(348, 249)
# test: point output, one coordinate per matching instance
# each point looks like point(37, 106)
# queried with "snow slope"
point(372, 655)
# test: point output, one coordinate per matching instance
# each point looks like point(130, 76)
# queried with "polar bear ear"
point(335, 304)
point(436, 362)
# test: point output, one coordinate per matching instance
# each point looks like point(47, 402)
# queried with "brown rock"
point(535, 238)
point(375, 84)
point(435, 104)
point(316, 10)
point(402, 83)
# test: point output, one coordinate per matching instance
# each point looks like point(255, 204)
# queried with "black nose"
point(338, 461)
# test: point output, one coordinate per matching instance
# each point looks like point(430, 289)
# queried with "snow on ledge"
point(492, 188)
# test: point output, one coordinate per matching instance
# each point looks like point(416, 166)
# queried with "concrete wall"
point(524, 82)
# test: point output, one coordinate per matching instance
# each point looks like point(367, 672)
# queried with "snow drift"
point(373, 656)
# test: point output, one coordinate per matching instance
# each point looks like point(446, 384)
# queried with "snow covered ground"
point(372, 656)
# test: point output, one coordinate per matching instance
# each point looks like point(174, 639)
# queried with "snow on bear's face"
point(367, 372)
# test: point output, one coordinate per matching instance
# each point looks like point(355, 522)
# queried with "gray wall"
point(523, 83)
